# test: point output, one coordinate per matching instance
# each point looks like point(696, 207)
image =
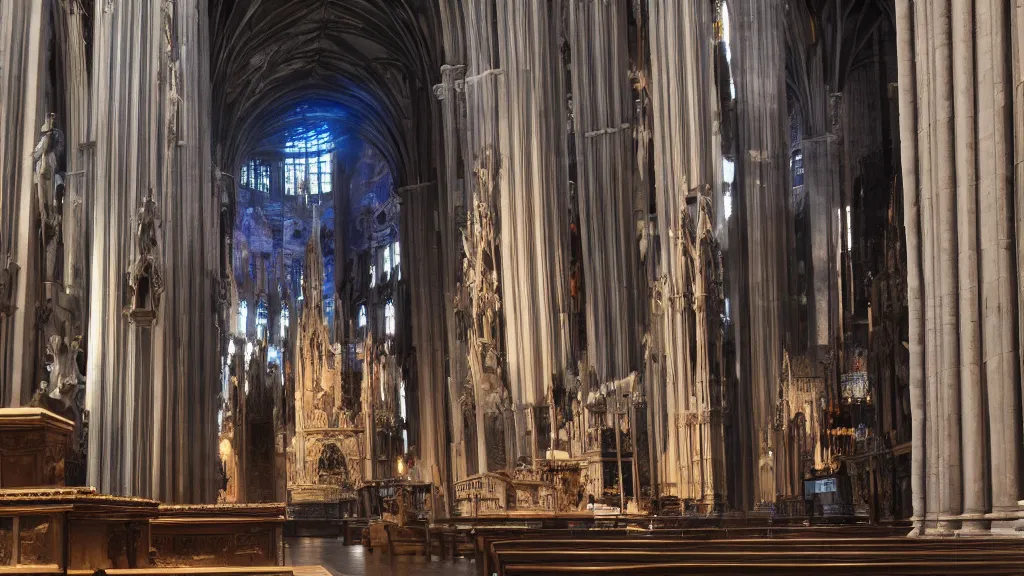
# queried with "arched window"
point(392, 259)
point(796, 164)
point(726, 39)
point(243, 316)
point(728, 177)
point(389, 318)
point(361, 318)
point(308, 158)
point(261, 320)
point(396, 261)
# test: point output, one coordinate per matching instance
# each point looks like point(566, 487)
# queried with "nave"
point(397, 273)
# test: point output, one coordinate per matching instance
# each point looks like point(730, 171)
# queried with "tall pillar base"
point(918, 529)
point(973, 524)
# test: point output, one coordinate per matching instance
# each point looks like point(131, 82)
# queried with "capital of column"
point(452, 76)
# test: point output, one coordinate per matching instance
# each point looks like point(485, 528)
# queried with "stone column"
point(422, 264)
point(763, 222)
point(1017, 33)
point(687, 164)
point(23, 28)
point(963, 126)
point(602, 109)
point(533, 203)
point(482, 160)
point(153, 363)
point(451, 209)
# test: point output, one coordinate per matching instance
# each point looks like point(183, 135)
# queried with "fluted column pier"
point(533, 206)
point(152, 384)
point(687, 164)
point(609, 218)
point(955, 61)
point(761, 206)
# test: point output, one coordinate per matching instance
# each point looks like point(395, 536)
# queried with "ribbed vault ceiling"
point(350, 63)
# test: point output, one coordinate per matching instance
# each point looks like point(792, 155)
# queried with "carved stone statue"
point(65, 378)
point(45, 155)
point(145, 280)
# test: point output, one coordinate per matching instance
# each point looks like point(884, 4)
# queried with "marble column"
point(955, 61)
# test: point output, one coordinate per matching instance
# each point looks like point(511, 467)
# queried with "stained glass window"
point(308, 158)
point(261, 320)
point(256, 175)
point(397, 261)
point(243, 316)
point(389, 318)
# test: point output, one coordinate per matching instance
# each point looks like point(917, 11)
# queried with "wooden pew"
point(644, 556)
point(894, 568)
point(482, 536)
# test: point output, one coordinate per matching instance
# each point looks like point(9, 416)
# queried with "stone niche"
point(33, 445)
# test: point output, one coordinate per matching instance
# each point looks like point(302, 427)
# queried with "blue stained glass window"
point(308, 159)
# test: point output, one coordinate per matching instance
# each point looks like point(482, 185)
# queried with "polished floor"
point(342, 560)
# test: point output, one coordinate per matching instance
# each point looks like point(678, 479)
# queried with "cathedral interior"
point(511, 287)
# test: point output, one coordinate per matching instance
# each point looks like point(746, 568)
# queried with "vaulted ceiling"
point(357, 65)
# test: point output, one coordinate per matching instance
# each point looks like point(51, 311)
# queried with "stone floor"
point(342, 560)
